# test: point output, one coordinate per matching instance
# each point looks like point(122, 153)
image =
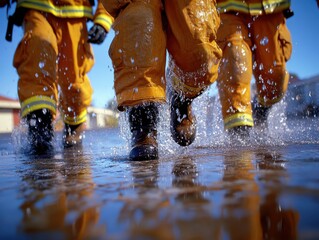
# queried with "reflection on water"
point(277, 222)
point(241, 199)
point(58, 197)
point(200, 192)
point(263, 216)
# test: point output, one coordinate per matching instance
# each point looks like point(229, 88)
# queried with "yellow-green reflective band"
point(36, 103)
point(59, 11)
point(104, 21)
point(253, 8)
point(276, 6)
point(76, 119)
point(239, 119)
point(238, 6)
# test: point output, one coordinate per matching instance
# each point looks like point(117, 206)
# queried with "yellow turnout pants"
point(145, 29)
point(258, 45)
point(54, 53)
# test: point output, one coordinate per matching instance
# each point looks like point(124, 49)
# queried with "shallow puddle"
point(267, 189)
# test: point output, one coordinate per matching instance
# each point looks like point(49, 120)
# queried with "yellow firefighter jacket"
point(70, 9)
point(253, 7)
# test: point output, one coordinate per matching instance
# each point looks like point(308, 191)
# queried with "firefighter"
point(255, 41)
point(144, 30)
point(52, 61)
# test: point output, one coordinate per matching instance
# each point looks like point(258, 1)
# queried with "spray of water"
point(282, 130)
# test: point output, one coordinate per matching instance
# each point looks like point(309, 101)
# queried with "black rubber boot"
point(260, 115)
point(73, 135)
point(40, 131)
point(183, 122)
point(143, 125)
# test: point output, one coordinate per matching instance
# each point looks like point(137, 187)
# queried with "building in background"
point(9, 114)
point(101, 117)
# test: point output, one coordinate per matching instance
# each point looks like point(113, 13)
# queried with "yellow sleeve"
point(113, 7)
point(102, 17)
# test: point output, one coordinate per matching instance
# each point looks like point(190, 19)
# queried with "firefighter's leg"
point(191, 43)
point(235, 74)
point(75, 60)
point(35, 61)
point(273, 48)
point(138, 56)
point(194, 59)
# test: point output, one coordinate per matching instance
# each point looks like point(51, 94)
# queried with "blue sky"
point(304, 28)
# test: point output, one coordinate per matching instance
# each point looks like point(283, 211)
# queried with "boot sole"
point(144, 153)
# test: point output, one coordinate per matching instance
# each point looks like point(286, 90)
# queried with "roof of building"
point(3, 98)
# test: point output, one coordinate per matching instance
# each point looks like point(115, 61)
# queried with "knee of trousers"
point(236, 62)
point(193, 75)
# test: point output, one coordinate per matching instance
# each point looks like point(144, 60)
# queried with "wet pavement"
point(267, 189)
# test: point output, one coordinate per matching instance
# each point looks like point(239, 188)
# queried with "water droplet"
point(264, 41)
point(41, 65)
point(254, 47)
point(32, 122)
point(264, 87)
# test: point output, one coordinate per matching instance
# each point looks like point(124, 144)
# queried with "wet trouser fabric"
point(144, 30)
point(52, 61)
point(252, 45)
